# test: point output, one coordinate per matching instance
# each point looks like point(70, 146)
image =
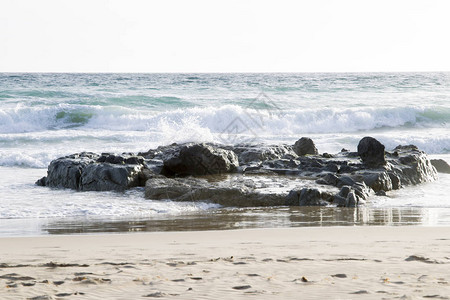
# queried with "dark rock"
point(332, 167)
point(65, 172)
point(267, 175)
point(345, 180)
point(200, 159)
point(42, 181)
point(308, 197)
point(371, 152)
point(109, 177)
point(412, 166)
point(352, 200)
point(395, 179)
point(406, 147)
point(362, 191)
point(305, 146)
point(330, 179)
point(257, 153)
point(340, 201)
point(344, 191)
point(441, 165)
point(381, 193)
point(232, 192)
point(378, 181)
point(90, 172)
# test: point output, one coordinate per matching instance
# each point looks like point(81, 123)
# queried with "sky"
point(224, 36)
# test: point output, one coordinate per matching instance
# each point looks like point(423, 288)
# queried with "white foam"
point(216, 119)
point(20, 198)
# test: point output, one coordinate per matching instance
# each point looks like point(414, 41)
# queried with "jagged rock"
point(268, 176)
point(378, 181)
point(258, 153)
point(200, 159)
point(371, 152)
point(362, 191)
point(305, 146)
point(110, 177)
point(351, 196)
point(412, 166)
point(441, 165)
point(329, 178)
point(308, 197)
point(65, 172)
point(395, 179)
point(90, 172)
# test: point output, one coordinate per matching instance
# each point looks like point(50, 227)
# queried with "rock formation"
point(248, 175)
point(371, 152)
point(305, 146)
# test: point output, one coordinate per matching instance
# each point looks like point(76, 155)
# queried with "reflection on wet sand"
point(223, 219)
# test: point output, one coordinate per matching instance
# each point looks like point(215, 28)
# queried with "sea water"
point(46, 116)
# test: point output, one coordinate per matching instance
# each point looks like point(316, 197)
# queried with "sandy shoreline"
point(291, 263)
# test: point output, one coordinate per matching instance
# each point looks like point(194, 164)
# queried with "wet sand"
point(233, 218)
point(366, 262)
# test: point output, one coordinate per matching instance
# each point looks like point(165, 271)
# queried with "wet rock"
point(258, 153)
point(412, 166)
point(441, 165)
point(381, 193)
point(90, 172)
point(371, 152)
point(378, 181)
point(351, 196)
point(65, 172)
point(345, 180)
point(351, 200)
point(308, 197)
point(340, 201)
point(200, 159)
point(330, 179)
point(229, 192)
point(110, 177)
point(305, 146)
point(362, 191)
point(265, 176)
point(395, 179)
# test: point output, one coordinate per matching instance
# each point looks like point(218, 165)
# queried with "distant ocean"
point(45, 116)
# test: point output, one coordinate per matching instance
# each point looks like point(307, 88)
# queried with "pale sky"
point(224, 36)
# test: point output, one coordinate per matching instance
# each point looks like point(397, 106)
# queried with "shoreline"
point(231, 219)
point(360, 262)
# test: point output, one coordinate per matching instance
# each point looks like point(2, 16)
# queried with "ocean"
point(46, 116)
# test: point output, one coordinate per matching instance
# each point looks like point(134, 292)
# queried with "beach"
point(361, 262)
point(83, 243)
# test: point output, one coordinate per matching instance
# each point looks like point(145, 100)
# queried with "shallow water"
point(226, 219)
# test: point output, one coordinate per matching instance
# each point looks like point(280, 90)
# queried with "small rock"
point(155, 295)
point(361, 292)
point(381, 193)
point(371, 152)
point(242, 287)
point(200, 159)
point(340, 275)
point(305, 146)
point(441, 165)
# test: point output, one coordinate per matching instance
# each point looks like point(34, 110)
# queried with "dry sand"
point(291, 263)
